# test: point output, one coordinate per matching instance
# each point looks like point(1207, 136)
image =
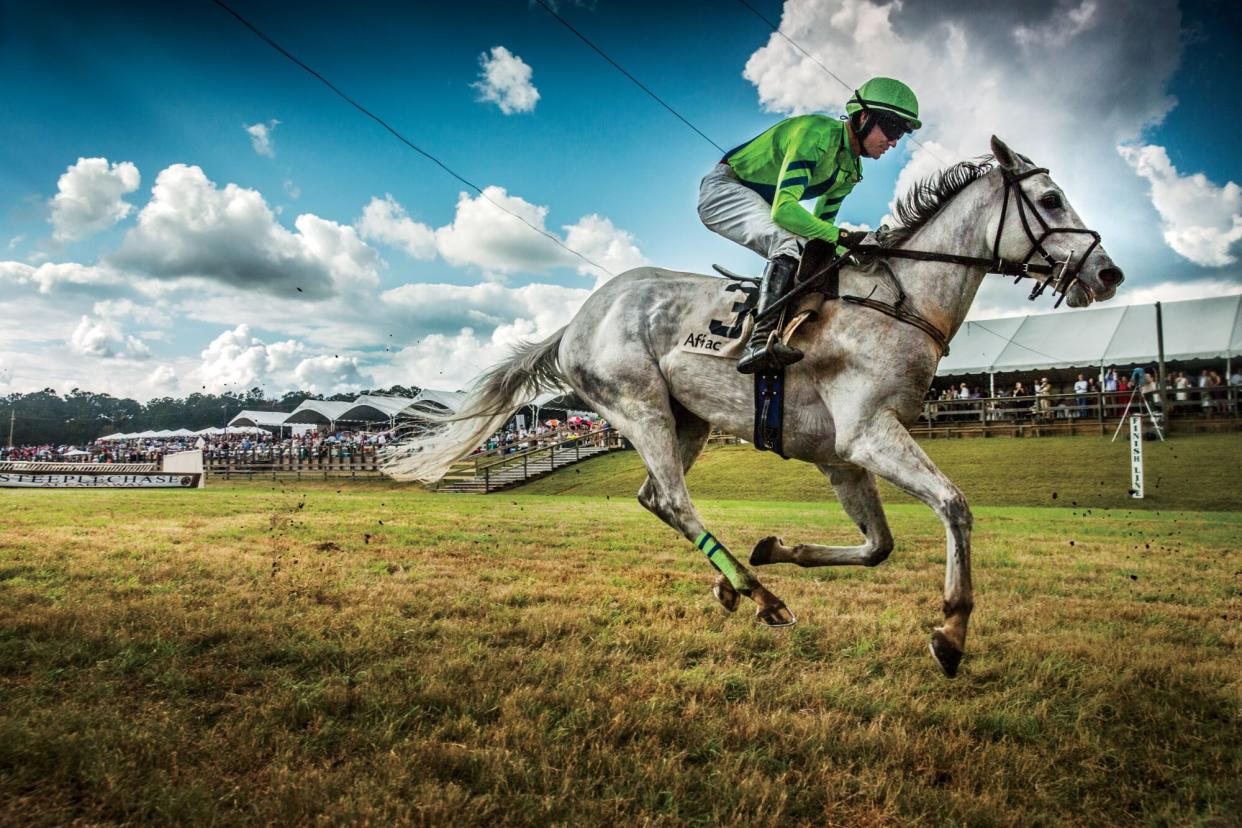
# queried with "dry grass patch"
point(255, 654)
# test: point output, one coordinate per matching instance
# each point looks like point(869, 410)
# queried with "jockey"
point(752, 195)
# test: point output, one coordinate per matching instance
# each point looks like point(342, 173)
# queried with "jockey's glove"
point(853, 238)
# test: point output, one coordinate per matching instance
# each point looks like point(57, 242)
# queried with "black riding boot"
point(765, 349)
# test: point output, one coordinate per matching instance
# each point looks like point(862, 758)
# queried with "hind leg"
point(668, 445)
point(692, 433)
point(855, 488)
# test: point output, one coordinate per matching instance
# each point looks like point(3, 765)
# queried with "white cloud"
point(119, 309)
point(164, 377)
point(596, 238)
point(88, 197)
point(329, 375)
point(104, 338)
point(1065, 25)
point(1175, 291)
point(199, 251)
point(446, 309)
point(49, 276)
point(384, 220)
point(1061, 82)
point(261, 137)
point(482, 234)
point(191, 228)
point(16, 240)
point(505, 80)
point(352, 264)
point(1201, 221)
point(474, 327)
point(237, 359)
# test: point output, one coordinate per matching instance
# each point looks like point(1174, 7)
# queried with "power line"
point(621, 69)
point(282, 50)
point(849, 87)
point(1009, 340)
point(777, 29)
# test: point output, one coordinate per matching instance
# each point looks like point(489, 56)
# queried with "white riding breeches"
point(730, 208)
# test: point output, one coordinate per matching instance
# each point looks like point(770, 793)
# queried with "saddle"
point(816, 262)
point(818, 280)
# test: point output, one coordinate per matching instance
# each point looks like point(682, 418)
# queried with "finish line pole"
point(1136, 456)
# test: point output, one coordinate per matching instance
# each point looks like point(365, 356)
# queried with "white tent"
point(1097, 337)
point(376, 408)
point(318, 411)
point(270, 419)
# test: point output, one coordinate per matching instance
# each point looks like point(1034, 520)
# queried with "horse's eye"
point(1050, 201)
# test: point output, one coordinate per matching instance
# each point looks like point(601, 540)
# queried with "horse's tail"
point(531, 368)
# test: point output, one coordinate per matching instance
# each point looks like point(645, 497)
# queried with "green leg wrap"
point(720, 557)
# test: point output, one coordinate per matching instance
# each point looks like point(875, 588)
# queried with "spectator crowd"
point(1209, 393)
point(267, 447)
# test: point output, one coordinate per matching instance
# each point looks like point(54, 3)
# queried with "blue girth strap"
point(770, 410)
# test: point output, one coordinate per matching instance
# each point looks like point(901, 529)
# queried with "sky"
point(183, 209)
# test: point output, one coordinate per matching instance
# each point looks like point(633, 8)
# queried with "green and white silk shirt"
point(807, 156)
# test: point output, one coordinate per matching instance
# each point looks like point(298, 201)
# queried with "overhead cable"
point(269, 41)
point(1010, 340)
point(848, 87)
point(621, 69)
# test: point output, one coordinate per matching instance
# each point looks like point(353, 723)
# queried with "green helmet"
point(886, 95)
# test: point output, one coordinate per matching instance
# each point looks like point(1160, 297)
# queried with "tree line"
point(80, 417)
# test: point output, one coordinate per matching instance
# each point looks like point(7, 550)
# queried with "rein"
point(1061, 276)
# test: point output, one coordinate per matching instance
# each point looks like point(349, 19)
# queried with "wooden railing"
point(484, 468)
point(1093, 412)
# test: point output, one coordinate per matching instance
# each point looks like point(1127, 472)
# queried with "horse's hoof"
point(762, 553)
point(775, 616)
point(946, 653)
point(725, 594)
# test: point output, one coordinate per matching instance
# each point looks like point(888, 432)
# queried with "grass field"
point(353, 653)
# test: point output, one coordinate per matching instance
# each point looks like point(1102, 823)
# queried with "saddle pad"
point(722, 322)
point(720, 325)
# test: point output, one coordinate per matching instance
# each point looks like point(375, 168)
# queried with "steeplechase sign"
point(181, 470)
point(45, 480)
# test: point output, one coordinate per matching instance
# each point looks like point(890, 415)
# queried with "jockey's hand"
point(852, 239)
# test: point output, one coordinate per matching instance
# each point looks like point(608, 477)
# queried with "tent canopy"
point(319, 411)
point(1193, 329)
point(376, 408)
point(270, 419)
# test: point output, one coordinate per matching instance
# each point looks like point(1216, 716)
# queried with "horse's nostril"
point(1112, 276)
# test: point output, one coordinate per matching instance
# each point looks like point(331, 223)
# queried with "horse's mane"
point(922, 201)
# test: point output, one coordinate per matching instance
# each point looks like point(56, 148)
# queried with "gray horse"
point(848, 402)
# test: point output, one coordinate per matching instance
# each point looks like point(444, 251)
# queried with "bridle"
point(1061, 274)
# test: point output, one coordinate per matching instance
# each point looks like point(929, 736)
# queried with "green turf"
point(367, 653)
point(1197, 471)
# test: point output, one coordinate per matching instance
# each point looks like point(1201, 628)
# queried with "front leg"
point(883, 446)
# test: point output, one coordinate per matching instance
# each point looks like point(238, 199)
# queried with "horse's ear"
point(1004, 156)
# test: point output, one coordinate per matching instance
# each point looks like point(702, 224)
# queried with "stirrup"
point(780, 352)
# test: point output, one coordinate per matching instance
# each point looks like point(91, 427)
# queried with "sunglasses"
point(892, 126)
